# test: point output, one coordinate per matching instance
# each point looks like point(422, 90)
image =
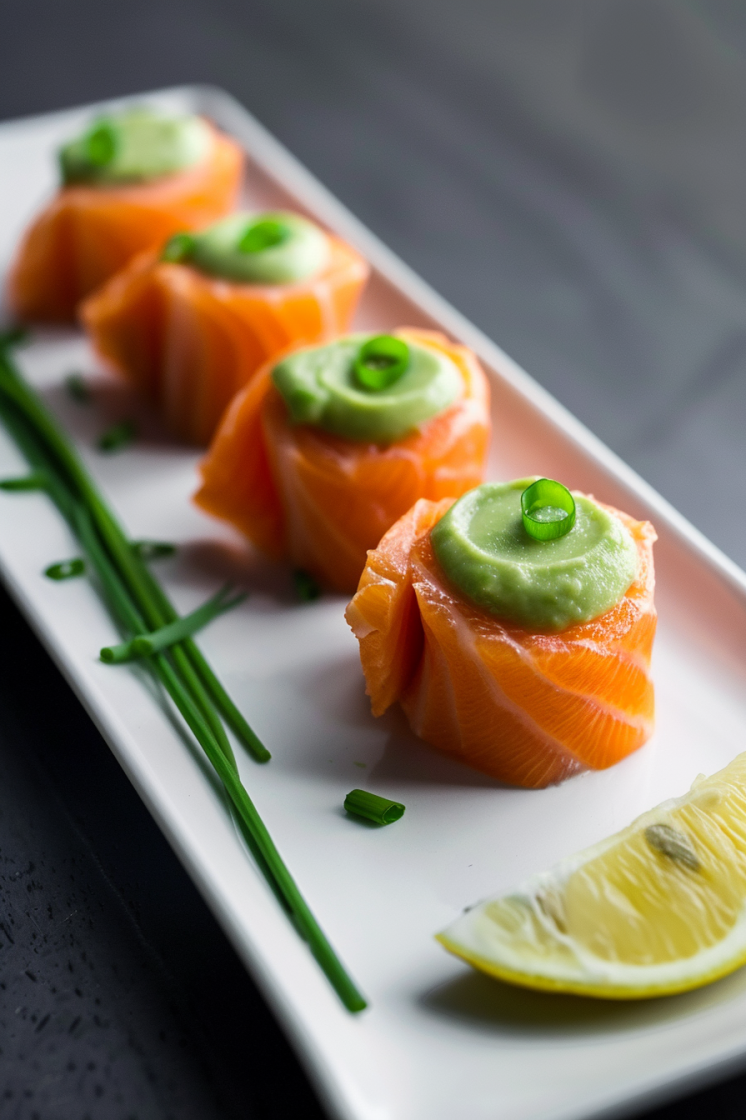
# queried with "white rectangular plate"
point(439, 1041)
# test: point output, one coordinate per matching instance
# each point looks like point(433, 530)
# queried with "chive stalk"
point(34, 481)
point(156, 606)
point(140, 607)
point(148, 644)
point(146, 550)
point(153, 550)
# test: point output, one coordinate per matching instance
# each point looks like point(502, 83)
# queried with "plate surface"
point(439, 1041)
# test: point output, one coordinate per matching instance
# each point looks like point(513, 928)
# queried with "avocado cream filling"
point(485, 552)
point(323, 387)
point(276, 247)
point(134, 147)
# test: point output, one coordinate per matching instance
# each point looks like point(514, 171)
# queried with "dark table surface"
point(571, 174)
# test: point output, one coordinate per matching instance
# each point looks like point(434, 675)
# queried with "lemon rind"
point(546, 983)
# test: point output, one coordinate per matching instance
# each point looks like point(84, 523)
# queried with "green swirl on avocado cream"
point(277, 247)
point(331, 386)
point(485, 552)
point(135, 146)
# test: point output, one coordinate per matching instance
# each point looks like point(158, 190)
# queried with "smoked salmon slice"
point(321, 500)
point(88, 233)
point(190, 341)
point(527, 708)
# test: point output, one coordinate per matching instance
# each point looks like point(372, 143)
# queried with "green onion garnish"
point(14, 336)
point(37, 480)
point(77, 388)
point(172, 632)
point(117, 437)
point(140, 606)
point(153, 550)
point(306, 587)
point(66, 569)
point(146, 550)
point(261, 235)
point(178, 248)
point(101, 144)
point(381, 361)
point(373, 808)
point(548, 509)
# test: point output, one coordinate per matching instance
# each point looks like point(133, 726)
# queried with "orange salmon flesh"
point(189, 342)
point(526, 708)
point(321, 501)
point(87, 234)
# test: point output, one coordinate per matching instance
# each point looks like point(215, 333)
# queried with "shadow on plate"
point(236, 563)
point(483, 1003)
point(410, 761)
point(394, 757)
point(111, 401)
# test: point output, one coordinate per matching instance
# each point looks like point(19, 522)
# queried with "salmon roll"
point(192, 324)
point(522, 654)
point(326, 449)
point(128, 183)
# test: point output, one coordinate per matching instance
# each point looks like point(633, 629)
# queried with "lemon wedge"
point(656, 909)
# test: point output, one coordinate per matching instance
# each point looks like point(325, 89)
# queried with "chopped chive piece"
point(66, 569)
point(548, 510)
point(178, 248)
point(380, 810)
point(381, 361)
point(153, 550)
point(306, 587)
point(77, 388)
point(147, 644)
point(117, 437)
point(13, 336)
point(37, 480)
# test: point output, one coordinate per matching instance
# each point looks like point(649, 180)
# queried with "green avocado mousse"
point(136, 146)
point(276, 247)
point(530, 552)
point(364, 387)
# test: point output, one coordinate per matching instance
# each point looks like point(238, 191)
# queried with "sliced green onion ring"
point(373, 808)
point(548, 510)
point(77, 388)
point(381, 361)
point(117, 437)
point(66, 569)
point(264, 234)
point(306, 587)
point(101, 144)
point(178, 248)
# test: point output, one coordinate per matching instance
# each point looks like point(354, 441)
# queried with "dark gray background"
point(571, 174)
